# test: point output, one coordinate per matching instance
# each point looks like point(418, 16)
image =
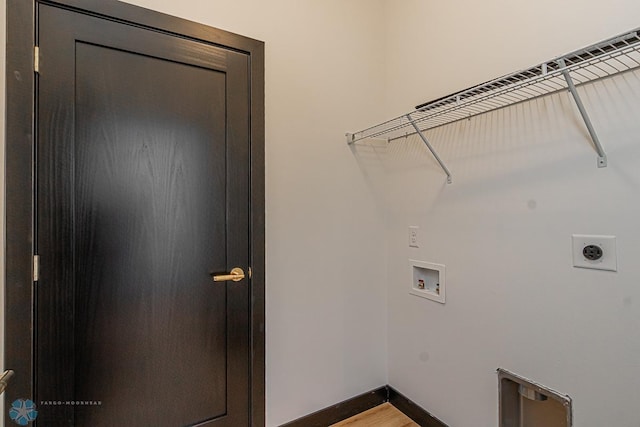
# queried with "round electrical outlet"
point(592, 252)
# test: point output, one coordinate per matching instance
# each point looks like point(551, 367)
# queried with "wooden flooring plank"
point(385, 415)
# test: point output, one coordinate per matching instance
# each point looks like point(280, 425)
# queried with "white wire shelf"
point(610, 57)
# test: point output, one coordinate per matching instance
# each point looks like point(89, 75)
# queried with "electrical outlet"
point(414, 242)
point(597, 252)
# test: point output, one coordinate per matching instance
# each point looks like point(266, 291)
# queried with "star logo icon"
point(23, 411)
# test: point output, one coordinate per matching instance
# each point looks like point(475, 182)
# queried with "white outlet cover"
point(414, 240)
point(609, 260)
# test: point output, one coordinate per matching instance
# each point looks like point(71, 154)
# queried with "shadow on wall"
point(526, 143)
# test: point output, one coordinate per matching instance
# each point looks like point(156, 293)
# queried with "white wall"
point(525, 179)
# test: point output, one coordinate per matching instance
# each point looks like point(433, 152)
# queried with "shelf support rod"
point(602, 156)
point(426, 142)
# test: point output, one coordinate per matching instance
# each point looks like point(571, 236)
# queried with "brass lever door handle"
point(234, 275)
point(4, 379)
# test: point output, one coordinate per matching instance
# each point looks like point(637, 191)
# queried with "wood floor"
point(384, 415)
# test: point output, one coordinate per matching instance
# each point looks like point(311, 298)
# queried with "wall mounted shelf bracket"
point(426, 142)
point(352, 138)
point(602, 157)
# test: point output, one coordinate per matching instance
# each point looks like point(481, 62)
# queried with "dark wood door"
point(142, 181)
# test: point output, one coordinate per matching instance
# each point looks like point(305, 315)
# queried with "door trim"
point(21, 86)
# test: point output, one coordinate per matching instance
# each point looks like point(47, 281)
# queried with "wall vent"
point(524, 403)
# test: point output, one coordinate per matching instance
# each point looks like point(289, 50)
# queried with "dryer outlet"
point(597, 252)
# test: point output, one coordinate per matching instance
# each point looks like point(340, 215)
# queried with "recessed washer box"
point(428, 280)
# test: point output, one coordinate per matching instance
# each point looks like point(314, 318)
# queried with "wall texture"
point(525, 179)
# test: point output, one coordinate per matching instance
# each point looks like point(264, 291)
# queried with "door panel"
point(142, 194)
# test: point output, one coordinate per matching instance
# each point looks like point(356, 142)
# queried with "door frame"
point(21, 122)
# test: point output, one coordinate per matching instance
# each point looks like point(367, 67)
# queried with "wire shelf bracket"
point(602, 157)
point(566, 73)
point(426, 142)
